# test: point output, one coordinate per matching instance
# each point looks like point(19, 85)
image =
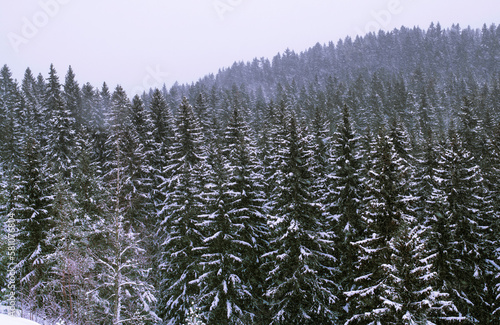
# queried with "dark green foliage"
point(343, 199)
point(262, 204)
point(466, 209)
point(300, 288)
point(178, 229)
point(386, 209)
point(61, 128)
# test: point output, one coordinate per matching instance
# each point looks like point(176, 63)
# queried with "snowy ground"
point(9, 320)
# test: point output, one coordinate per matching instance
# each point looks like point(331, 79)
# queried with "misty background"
point(143, 44)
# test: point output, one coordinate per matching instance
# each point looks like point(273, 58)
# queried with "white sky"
point(143, 43)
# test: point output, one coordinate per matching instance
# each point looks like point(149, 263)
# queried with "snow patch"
point(10, 320)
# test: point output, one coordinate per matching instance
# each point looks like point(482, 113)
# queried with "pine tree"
point(298, 286)
point(223, 290)
point(343, 199)
point(61, 129)
point(387, 208)
point(410, 290)
point(33, 202)
point(122, 289)
point(465, 209)
point(72, 96)
point(246, 200)
point(121, 293)
point(11, 137)
point(231, 284)
point(178, 227)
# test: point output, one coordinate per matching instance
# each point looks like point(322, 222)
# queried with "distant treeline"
point(353, 183)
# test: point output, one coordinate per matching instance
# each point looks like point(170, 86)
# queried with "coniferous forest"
point(356, 182)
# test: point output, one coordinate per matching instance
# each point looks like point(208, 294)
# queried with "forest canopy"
point(352, 183)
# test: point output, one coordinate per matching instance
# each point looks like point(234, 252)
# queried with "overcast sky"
point(145, 43)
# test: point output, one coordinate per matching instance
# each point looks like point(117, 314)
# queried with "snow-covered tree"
point(162, 127)
point(465, 210)
point(343, 199)
point(33, 204)
point(60, 128)
point(411, 291)
point(122, 292)
point(231, 282)
point(224, 295)
point(203, 111)
point(246, 201)
point(98, 127)
point(72, 96)
point(299, 285)
point(123, 137)
point(11, 137)
point(387, 208)
point(178, 227)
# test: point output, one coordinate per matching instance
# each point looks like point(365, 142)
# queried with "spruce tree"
point(33, 109)
point(410, 291)
point(224, 294)
point(61, 129)
point(178, 227)
point(60, 158)
point(33, 205)
point(203, 111)
point(132, 163)
point(231, 284)
point(159, 151)
point(387, 208)
point(343, 199)
point(299, 285)
point(162, 126)
point(246, 200)
point(100, 128)
point(466, 208)
point(11, 137)
point(72, 96)
point(123, 291)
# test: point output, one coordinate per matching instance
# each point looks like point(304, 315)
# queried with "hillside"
point(395, 70)
point(352, 183)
